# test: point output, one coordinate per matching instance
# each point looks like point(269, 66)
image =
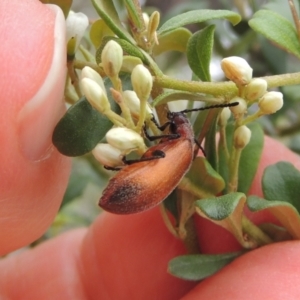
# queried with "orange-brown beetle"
point(146, 182)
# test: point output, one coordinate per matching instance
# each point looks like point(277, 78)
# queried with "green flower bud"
point(224, 116)
point(241, 137)
point(146, 19)
point(152, 27)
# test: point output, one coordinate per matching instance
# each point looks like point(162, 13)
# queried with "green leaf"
point(223, 207)
point(107, 11)
point(173, 40)
point(170, 203)
point(80, 129)
point(98, 31)
point(210, 127)
point(272, 55)
point(198, 16)
point(205, 128)
point(250, 157)
point(283, 211)
point(282, 182)
point(65, 5)
point(223, 164)
point(202, 175)
point(199, 51)
point(135, 15)
point(227, 212)
point(127, 47)
point(201, 125)
point(198, 267)
point(276, 29)
point(129, 62)
point(179, 95)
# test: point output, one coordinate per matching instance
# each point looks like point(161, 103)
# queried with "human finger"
point(33, 174)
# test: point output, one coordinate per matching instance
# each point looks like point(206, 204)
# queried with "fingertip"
point(48, 271)
point(127, 256)
point(33, 174)
point(39, 115)
point(269, 272)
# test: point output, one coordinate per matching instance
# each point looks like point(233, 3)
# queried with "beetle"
point(144, 183)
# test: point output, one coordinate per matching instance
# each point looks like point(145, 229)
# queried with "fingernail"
point(38, 117)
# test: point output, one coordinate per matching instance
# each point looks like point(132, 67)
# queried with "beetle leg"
point(171, 136)
point(200, 147)
point(161, 127)
point(112, 168)
point(155, 155)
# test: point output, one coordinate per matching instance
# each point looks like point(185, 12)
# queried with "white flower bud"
point(270, 102)
point(255, 89)
point(108, 155)
point(76, 24)
point(224, 116)
point(142, 81)
point(134, 104)
point(237, 69)
point(88, 72)
point(95, 95)
point(112, 58)
point(125, 139)
point(238, 110)
point(241, 137)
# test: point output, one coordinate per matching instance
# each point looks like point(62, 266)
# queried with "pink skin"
point(118, 257)
point(33, 173)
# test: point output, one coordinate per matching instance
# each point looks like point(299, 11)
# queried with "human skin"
point(117, 257)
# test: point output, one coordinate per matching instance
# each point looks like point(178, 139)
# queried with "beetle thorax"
point(180, 124)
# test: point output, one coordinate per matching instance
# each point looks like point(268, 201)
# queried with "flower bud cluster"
point(125, 136)
point(250, 90)
point(121, 141)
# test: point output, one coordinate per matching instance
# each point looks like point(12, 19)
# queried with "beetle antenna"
point(211, 106)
